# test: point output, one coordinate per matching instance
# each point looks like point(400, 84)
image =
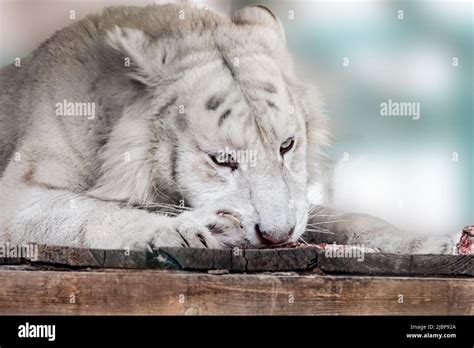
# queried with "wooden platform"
point(202, 281)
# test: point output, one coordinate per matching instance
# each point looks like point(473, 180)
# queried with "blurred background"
point(415, 173)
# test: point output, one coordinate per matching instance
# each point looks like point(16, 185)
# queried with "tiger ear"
point(135, 46)
point(259, 15)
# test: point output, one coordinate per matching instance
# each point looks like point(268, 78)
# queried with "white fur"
point(92, 183)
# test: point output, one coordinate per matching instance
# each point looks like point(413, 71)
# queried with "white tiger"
point(173, 94)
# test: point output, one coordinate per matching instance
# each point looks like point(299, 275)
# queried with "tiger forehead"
point(267, 86)
point(219, 102)
point(215, 101)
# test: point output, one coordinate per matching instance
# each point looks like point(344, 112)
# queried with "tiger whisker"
point(326, 232)
point(301, 239)
point(326, 222)
point(165, 205)
point(314, 215)
point(309, 227)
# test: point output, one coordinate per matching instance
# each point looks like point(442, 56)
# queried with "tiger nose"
point(270, 238)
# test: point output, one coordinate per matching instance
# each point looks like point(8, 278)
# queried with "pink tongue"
point(466, 243)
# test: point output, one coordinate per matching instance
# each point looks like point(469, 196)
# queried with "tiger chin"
point(166, 126)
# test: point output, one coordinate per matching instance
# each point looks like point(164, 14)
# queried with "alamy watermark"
point(12, 251)
point(28, 330)
point(401, 109)
point(355, 251)
point(237, 156)
point(68, 108)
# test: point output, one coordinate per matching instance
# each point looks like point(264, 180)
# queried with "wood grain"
point(168, 292)
point(401, 265)
point(254, 260)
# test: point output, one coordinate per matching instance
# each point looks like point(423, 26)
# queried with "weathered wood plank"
point(442, 264)
point(256, 260)
point(260, 260)
point(168, 292)
point(402, 265)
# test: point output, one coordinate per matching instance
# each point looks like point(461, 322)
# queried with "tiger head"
point(219, 119)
